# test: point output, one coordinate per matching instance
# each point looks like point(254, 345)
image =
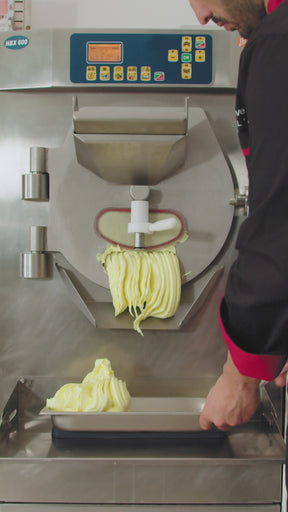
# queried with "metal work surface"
point(56, 313)
point(135, 508)
point(206, 468)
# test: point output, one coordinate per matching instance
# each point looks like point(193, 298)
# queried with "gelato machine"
point(127, 140)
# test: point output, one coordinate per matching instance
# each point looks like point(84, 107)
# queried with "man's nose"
point(203, 13)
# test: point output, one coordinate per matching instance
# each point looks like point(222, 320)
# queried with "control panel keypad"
point(141, 58)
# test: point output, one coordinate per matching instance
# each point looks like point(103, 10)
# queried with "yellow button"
point(186, 44)
point(200, 55)
point(132, 73)
point(118, 73)
point(173, 55)
point(186, 71)
point(91, 74)
point(104, 73)
point(145, 73)
point(200, 42)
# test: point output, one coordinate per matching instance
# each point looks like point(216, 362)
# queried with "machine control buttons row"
point(186, 46)
point(117, 73)
point(173, 56)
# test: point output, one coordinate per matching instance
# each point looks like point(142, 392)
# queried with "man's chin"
point(229, 28)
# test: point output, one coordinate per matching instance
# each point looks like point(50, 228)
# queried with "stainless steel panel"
point(156, 481)
point(14, 67)
point(141, 120)
point(52, 47)
point(135, 508)
point(131, 159)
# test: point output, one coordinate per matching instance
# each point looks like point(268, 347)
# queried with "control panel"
point(141, 58)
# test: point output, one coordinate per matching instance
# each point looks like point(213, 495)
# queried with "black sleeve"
point(256, 298)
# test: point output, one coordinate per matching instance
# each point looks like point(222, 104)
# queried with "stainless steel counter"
point(242, 466)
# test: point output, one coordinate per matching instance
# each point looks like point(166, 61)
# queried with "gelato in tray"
point(146, 414)
point(99, 391)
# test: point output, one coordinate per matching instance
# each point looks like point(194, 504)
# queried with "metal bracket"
point(101, 314)
point(241, 201)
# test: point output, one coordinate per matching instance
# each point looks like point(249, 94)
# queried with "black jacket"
point(254, 311)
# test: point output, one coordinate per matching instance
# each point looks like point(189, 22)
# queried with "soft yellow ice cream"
point(148, 283)
point(100, 391)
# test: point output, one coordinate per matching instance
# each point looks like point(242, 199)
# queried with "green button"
point(186, 57)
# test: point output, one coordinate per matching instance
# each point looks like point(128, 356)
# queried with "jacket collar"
point(273, 4)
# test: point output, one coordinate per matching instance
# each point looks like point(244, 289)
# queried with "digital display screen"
point(104, 52)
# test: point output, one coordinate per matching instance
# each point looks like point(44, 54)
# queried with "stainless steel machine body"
point(71, 145)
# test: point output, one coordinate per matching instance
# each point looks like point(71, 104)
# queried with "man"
point(254, 312)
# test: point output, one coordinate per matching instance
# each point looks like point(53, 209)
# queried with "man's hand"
point(280, 381)
point(232, 401)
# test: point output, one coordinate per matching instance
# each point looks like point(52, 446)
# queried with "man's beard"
point(244, 17)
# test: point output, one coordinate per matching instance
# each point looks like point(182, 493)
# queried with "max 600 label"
point(16, 42)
